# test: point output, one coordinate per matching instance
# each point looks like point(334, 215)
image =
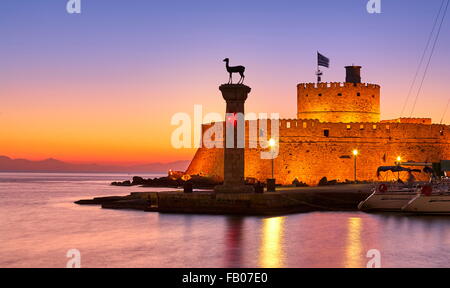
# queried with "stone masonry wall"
point(338, 102)
point(308, 152)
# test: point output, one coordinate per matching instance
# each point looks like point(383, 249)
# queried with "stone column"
point(235, 96)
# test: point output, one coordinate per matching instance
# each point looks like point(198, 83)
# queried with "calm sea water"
point(39, 223)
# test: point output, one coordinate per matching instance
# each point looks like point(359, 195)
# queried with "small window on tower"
point(358, 94)
point(361, 127)
point(339, 94)
point(349, 127)
point(288, 125)
point(320, 94)
point(326, 132)
point(388, 127)
point(374, 127)
point(304, 124)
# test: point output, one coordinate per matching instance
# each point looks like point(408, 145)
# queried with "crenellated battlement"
point(336, 85)
point(409, 120)
point(314, 130)
point(339, 102)
point(363, 130)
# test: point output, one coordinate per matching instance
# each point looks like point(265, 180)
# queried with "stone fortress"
point(333, 119)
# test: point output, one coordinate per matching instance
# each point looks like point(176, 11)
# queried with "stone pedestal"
point(235, 96)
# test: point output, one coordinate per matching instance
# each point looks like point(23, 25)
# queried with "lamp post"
point(355, 154)
point(399, 159)
point(272, 144)
point(271, 182)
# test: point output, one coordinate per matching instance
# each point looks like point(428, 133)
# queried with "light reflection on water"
point(271, 247)
point(353, 249)
point(39, 223)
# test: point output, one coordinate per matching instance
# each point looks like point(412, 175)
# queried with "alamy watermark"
point(375, 258)
point(73, 6)
point(374, 6)
point(232, 130)
point(74, 256)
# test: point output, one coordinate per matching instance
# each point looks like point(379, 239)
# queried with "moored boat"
point(388, 197)
point(433, 198)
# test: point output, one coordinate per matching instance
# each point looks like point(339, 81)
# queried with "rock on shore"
point(198, 182)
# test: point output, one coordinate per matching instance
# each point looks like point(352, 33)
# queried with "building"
point(333, 119)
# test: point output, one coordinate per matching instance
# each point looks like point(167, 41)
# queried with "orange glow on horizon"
point(127, 119)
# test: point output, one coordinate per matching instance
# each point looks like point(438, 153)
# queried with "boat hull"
point(434, 204)
point(388, 202)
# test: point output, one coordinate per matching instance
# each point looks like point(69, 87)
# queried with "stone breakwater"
point(285, 201)
point(199, 182)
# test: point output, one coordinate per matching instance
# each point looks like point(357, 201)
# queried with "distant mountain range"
point(52, 165)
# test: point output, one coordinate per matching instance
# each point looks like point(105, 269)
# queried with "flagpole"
point(321, 61)
point(317, 73)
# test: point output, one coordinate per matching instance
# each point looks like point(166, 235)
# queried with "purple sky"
point(103, 85)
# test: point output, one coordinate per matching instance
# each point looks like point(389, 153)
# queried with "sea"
point(40, 226)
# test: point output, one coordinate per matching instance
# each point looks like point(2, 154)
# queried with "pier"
point(285, 200)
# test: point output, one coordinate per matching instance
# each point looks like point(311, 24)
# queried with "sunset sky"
point(102, 86)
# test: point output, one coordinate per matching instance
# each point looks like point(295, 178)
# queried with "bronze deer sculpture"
point(234, 69)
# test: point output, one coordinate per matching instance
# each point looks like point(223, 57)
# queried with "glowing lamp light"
point(272, 142)
point(355, 152)
point(186, 177)
point(399, 158)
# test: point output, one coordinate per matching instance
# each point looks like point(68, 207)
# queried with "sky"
point(102, 86)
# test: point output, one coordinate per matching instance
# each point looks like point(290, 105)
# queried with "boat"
point(389, 197)
point(433, 198)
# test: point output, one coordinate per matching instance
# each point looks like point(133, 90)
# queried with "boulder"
point(323, 181)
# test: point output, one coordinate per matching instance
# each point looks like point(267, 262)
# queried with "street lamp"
point(355, 154)
point(271, 182)
point(399, 160)
point(272, 144)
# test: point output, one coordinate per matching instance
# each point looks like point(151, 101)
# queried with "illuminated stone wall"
point(338, 102)
point(308, 154)
point(409, 120)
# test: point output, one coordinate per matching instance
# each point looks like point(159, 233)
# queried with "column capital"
point(234, 92)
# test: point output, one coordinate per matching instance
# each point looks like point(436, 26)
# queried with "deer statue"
point(234, 69)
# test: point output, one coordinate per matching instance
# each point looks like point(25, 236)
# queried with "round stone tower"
point(351, 101)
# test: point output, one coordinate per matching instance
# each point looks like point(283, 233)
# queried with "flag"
point(322, 60)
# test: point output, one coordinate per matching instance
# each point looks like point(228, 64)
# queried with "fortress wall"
point(409, 120)
point(368, 130)
point(309, 162)
point(308, 155)
point(207, 162)
point(339, 102)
